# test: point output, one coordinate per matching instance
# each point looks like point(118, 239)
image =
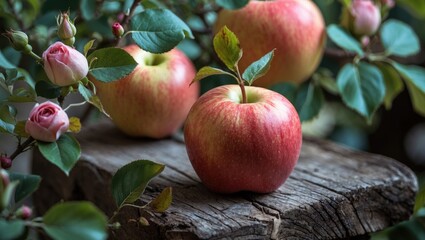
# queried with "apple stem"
point(241, 85)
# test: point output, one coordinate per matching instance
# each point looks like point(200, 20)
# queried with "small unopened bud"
point(5, 162)
point(4, 178)
point(367, 17)
point(24, 212)
point(365, 40)
point(66, 29)
point(361, 18)
point(117, 30)
point(19, 41)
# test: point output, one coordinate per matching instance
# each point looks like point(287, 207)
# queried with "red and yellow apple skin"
point(243, 147)
point(294, 27)
point(154, 100)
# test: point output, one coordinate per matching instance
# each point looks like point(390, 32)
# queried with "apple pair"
point(232, 146)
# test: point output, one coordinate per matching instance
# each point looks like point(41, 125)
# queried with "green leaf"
point(163, 201)
point(27, 184)
point(158, 30)
point(399, 39)
point(7, 118)
point(75, 220)
point(47, 90)
point(6, 195)
point(362, 88)
point(4, 63)
point(20, 129)
point(227, 47)
point(344, 40)
point(258, 68)
point(11, 230)
point(325, 79)
point(5, 91)
point(393, 84)
point(209, 71)
point(414, 77)
point(88, 9)
point(22, 95)
point(232, 4)
point(91, 98)
point(111, 64)
point(88, 46)
point(64, 153)
point(309, 101)
point(130, 181)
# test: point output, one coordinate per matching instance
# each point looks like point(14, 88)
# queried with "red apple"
point(294, 27)
point(154, 100)
point(236, 146)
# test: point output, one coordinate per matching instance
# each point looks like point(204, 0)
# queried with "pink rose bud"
point(5, 162)
point(66, 29)
point(64, 65)
point(117, 30)
point(47, 122)
point(366, 17)
point(24, 212)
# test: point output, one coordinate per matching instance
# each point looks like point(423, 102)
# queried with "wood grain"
point(333, 193)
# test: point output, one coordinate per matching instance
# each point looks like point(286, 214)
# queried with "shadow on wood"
point(333, 193)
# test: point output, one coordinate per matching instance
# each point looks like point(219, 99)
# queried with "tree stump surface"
point(333, 193)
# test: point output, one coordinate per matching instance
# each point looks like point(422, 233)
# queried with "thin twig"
point(338, 53)
point(22, 147)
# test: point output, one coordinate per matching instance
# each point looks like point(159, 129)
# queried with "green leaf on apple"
point(63, 153)
point(227, 47)
point(258, 68)
point(27, 184)
point(232, 4)
point(309, 101)
point(393, 83)
point(130, 181)
point(362, 88)
point(75, 220)
point(414, 78)
point(210, 71)
point(158, 30)
point(91, 98)
point(111, 64)
point(163, 201)
point(344, 40)
point(399, 39)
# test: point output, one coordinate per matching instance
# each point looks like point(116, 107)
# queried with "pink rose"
point(47, 122)
point(64, 65)
point(366, 17)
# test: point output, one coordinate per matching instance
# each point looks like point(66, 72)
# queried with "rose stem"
point(21, 147)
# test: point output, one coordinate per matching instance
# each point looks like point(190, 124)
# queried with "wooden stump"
point(333, 193)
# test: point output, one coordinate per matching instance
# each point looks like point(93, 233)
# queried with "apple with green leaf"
point(154, 100)
point(241, 138)
point(294, 27)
